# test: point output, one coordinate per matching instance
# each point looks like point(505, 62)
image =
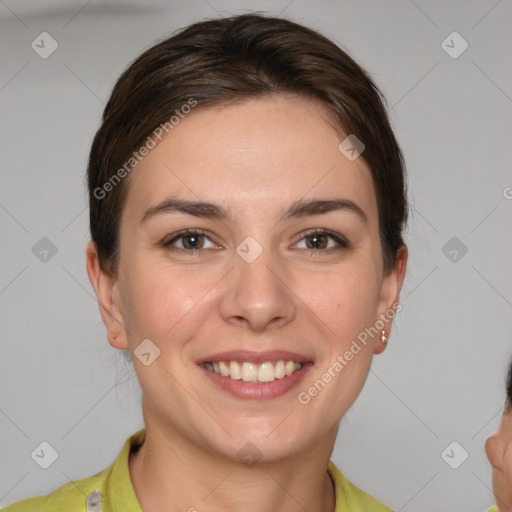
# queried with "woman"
point(247, 201)
point(499, 452)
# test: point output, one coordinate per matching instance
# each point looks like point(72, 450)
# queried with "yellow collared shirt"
point(111, 490)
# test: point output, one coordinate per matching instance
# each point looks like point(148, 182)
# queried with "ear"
point(109, 299)
point(494, 451)
point(390, 294)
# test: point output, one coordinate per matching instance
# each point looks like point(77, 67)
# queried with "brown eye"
point(324, 240)
point(193, 241)
point(189, 240)
point(317, 241)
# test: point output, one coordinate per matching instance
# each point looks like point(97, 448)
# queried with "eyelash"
point(338, 239)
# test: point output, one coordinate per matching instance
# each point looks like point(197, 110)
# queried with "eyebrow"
point(300, 208)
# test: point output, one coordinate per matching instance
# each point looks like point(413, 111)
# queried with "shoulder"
point(70, 497)
point(108, 490)
point(349, 497)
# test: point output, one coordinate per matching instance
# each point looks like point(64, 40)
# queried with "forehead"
point(261, 152)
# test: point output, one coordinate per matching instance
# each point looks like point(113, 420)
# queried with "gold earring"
point(383, 337)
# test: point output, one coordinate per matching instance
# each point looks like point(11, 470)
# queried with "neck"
point(171, 472)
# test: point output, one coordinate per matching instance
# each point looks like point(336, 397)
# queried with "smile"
point(241, 379)
point(252, 372)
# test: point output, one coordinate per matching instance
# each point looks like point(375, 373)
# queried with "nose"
point(258, 295)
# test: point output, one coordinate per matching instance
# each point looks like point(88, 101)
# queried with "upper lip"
point(254, 357)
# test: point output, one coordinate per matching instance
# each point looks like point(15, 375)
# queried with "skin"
point(499, 452)
point(255, 157)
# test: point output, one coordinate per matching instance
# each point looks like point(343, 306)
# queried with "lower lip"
point(258, 391)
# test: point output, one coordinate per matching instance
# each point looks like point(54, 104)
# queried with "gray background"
point(441, 378)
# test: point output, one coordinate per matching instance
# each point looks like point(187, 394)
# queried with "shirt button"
point(93, 502)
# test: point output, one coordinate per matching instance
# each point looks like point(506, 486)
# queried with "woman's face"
point(258, 280)
point(499, 452)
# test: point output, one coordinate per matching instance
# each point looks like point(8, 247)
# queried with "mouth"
point(255, 375)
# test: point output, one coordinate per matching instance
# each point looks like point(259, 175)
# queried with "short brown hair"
point(222, 60)
point(508, 401)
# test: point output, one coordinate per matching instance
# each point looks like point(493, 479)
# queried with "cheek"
point(345, 299)
point(161, 296)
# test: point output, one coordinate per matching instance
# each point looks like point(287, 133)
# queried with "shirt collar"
point(119, 486)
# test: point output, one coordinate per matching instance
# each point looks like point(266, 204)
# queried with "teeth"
point(224, 369)
point(251, 372)
point(235, 372)
point(280, 370)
